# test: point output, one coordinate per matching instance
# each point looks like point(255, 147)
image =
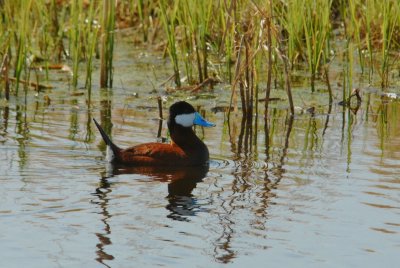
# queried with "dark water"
point(320, 190)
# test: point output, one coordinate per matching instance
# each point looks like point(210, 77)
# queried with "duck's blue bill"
point(198, 120)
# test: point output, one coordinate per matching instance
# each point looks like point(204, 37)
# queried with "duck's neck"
point(194, 148)
point(185, 138)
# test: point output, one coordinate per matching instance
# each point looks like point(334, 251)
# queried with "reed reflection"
point(327, 118)
point(89, 136)
point(102, 193)
point(347, 135)
point(22, 129)
point(247, 175)
point(105, 186)
point(5, 114)
point(241, 137)
point(279, 171)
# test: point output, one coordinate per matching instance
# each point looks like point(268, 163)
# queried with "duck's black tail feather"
point(107, 139)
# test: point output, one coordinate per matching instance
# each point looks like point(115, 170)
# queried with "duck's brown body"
point(186, 149)
point(162, 154)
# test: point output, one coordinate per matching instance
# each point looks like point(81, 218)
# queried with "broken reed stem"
point(160, 113)
point(37, 86)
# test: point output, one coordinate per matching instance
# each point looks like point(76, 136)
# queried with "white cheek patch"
point(109, 154)
point(185, 120)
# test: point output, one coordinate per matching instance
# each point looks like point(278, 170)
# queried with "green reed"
point(20, 28)
point(202, 37)
point(369, 18)
point(316, 25)
point(391, 21)
point(168, 19)
point(374, 27)
point(107, 43)
point(355, 31)
point(189, 44)
point(225, 43)
point(75, 35)
point(47, 32)
point(91, 35)
point(195, 17)
point(140, 8)
point(292, 19)
point(350, 69)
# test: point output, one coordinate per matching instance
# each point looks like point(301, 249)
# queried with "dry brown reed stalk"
point(37, 86)
point(328, 84)
point(287, 79)
point(198, 60)
point(245, 72)
point(103, 64)
point(160, 115)
point(4, 69)
point(245, 78)
point(269, 71)
point(249, 71)
point(237, 70)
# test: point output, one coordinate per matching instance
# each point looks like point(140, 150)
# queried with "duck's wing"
point(146, 154)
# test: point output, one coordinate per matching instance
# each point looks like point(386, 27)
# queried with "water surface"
point(321, 190)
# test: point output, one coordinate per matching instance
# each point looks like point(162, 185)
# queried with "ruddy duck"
point(185, 149)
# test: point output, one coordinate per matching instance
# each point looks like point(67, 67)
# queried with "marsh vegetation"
point(255, 46)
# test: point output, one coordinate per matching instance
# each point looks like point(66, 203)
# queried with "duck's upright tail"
point(112, 149)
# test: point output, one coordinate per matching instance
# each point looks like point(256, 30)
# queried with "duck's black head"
point(183, 114)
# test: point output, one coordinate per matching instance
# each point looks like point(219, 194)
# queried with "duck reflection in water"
point(181, 203)
point(181, 182)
